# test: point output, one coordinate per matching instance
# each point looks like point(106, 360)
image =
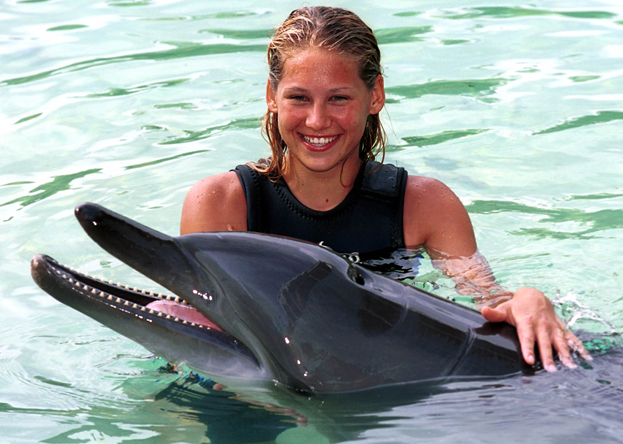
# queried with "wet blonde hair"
point(334, 29)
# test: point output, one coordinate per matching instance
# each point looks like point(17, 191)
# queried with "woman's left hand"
point(533, 315)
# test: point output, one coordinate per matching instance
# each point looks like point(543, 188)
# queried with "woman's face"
point(322, 106)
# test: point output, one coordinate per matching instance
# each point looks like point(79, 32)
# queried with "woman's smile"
point(319, 143)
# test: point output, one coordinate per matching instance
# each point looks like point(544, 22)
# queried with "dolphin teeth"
point(134, 306)
point(144, 292)
point(151, 293)
point(177, 299)
point(64, 276)
point(160, 313)
point(109, 297)
point(176, 319)
point(160, 295)
point(118, 300)
point(184, 302)
point(184, 321)
point(127, 287)
point(119, 285)
point(168, 297)
point(102, 294)
point(168, 316)
point(94, 291)
point(143, 309)
point(151, 312)
point(126, 303)
point(71, 281)
point(111, 282)
point(136, 289)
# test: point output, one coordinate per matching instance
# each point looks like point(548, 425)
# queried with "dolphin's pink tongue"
point(183, 312)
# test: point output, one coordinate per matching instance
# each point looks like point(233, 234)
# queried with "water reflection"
point(578, 405)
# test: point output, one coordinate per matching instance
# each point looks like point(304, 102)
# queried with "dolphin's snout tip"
point(87, 212)
point(36, 265)
point(34, 262)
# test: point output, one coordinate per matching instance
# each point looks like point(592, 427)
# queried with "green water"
point(517, 107)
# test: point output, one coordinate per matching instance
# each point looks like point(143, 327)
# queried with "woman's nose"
point(317, 118)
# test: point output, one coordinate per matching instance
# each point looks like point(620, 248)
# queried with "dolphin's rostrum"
point(290, 311)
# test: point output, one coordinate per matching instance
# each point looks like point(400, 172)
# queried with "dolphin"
point(280, 311)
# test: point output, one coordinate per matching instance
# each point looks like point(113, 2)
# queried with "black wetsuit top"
point(370, 218)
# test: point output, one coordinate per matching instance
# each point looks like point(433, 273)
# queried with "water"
point(128, 103)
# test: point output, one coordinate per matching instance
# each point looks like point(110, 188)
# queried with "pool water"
point(517, 107)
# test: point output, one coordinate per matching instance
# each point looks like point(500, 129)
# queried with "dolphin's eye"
point(355, 276)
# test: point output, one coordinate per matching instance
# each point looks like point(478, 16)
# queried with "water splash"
point(576, 313)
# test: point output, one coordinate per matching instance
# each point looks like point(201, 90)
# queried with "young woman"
point(324, 95)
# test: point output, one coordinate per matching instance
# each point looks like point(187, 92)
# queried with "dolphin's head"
point(255, 288)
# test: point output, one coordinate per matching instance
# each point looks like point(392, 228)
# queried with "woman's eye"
point(339, 98)
point(298, 98)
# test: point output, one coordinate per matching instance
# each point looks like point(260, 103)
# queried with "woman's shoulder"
point(215, 203)
point(435, 216)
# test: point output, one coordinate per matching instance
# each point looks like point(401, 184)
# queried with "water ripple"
point(193, 136)
point(597, 221)
point(520, 11)
point(164, 159)
point(444, 136)
point(476, 87)
point(240, 34)
point(48, 189)
point(577, 122)
point(115, 92)
point(180, 50)
point(401, 35)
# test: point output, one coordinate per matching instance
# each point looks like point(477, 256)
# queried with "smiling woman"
point(129, 103)
point(322, 184)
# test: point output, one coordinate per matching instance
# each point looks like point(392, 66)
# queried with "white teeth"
point(319, 141)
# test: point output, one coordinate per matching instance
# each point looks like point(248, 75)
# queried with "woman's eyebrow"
point(299, 89)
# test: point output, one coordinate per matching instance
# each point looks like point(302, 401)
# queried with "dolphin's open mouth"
point(144, 304)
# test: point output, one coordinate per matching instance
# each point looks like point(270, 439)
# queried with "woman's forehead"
point(321, 65)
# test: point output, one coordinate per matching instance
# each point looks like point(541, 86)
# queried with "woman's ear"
point(271, 99)
point(378, 95)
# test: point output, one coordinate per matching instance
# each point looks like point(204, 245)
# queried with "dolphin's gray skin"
point(292, 312)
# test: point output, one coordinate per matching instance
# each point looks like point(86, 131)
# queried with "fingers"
point(576, 346)
point(537, 323)
point(494, 314)
point(553, 338)
point(564, 342)
point(526, 339)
